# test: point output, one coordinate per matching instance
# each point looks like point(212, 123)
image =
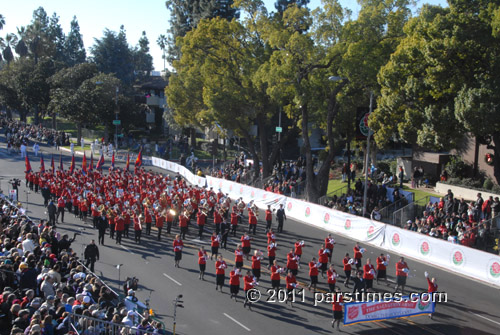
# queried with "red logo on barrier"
point(370, 231)
point(425, 248)
point(289, 206)
point(495, 270)
point(308, 212)
point(326, 219)
point(241, 190)
point(395, 239)
point(458, 258)
point(252, 194)
point(264, 196)
point(353, 312)
point(220, 185)
point(347, 225)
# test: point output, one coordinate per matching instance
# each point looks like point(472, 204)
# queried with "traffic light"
point(489, 159)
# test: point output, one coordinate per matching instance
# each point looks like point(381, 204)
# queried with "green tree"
point(162, 43)
point(282, 5)
point(7, 43)
point(2, 21)
point(185, 15)
point(143, 62)
point(438, 86)
point(112, 55)
point(21, 48)
point(74, 49)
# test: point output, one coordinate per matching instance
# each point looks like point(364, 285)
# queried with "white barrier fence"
point(463, 260)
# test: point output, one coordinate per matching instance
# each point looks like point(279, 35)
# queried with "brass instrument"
point(101, 208)
point(146, 202)
point(240, 204)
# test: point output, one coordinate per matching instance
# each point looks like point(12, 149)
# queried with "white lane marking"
point(125, 248)
point(195, 240)
point(484, 317)
point(237, 322)
point(172, 279)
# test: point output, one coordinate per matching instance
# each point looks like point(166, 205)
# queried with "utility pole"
point(365, 191)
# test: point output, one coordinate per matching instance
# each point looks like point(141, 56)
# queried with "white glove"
point(426, 274)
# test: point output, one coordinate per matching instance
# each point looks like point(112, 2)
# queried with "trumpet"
point(146, 202)
point(101, 208)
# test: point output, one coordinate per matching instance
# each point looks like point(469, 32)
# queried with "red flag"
point(113, 161)
point(84, 163)
point(138, 161)
point(128, 160)
point(91, 166)
point(100, 163)
point(52, 165)
point(27, 164)
point(72, 166)
point(42, 164)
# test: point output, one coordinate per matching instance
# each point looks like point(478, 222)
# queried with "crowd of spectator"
point(286, 177)
point(18, 133)
point(45, 290)
point(469, 223)
point(377, 196)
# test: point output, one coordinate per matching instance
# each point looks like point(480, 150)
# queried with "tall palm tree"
point(10, 40)
point(21, 48)
point(2, 21)
point(162, 43)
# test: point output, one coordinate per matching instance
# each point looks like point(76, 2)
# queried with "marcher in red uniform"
point(234, 283)
point(215, 242)
point(271, 238)
point(291, 284)
point(201, 219)
point(313, 273)
point(138, 227)
point(148, 219)
point(245, 245)
point(220, 271)
point(431, 289)
point(368, 274)
point(357, 255)
point(291, 262)
point(61, 204)
point(382, 262)
point(202, 262)
point(298, 250)
point(183, 224)
point(337, 303)
point(329, 245)
point(178, 245)
point(119, 228)
point(347, 269)
point(249, 284)
point(269, 217)
point(256, 258)
point(323, 259)
point(402, 270)
point(159, 222)
point(238, 257)
point(331, 275)
point(252, 222)
point(271, 253)
point(276, 276)
point(234, 220)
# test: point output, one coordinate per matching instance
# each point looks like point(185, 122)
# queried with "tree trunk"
point(192, 136)
point(263, 146)
point(476, 157)
point(37, 115)
point(312, 193)
point(78, 134)
point(54, 120)
point(496, 160)
point(255, 156)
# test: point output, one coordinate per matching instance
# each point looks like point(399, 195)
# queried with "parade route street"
point(472, 307)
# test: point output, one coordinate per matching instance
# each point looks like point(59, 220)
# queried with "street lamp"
point(337, 78)
point(365, 191)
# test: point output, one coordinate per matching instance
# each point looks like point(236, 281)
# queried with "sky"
point(136, 15)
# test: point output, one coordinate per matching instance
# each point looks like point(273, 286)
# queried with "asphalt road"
point(472, 307)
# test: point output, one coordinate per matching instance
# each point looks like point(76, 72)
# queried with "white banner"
point(467, 261)
point(381, 310)
point(452, 257)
